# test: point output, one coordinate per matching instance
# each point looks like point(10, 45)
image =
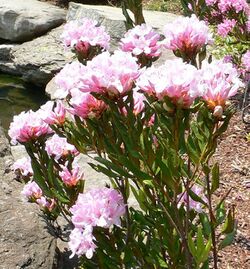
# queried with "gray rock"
point(25, 241)
point(36, 61)
point(24, 20)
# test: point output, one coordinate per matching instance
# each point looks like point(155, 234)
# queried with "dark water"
point(17, 96)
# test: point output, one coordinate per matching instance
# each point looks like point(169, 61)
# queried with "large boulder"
point(25, 241)
point(38, 60)
point(23, 20)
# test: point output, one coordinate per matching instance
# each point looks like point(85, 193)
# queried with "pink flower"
point(139, 105)
point(228, 59)
point(68, 78)
point(98, 207)
point(218, 82)
point(53, 113)
point(58, 147)
point(113, 75)
point(85, 105)
point(32, 191)
point(187, 36)
point(226, 27)
point(27, 126)
point(246, 60)
point(237, 5)
point(23, 166)
point(45, 203)
point(142, 40)
point(174, 79)
point(248, 24)
point(211, 2)
point(193, 204)
point(81, 242)
point(71, 177)
point(82, 35)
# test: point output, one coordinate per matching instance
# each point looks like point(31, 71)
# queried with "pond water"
point(17, 96)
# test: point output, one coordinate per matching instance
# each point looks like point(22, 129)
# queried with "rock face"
point(24, 238)
point(24, 20)
point(38, 60)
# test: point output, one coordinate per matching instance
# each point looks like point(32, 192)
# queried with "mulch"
point(233, 155)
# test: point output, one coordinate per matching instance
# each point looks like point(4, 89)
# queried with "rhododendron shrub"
point(230, 19)
point(154, 131)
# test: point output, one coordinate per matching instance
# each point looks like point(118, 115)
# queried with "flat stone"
point(36, 61)
point(25, 240)
point(23, 20)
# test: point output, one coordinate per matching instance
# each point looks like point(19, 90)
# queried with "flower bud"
point(218, 112)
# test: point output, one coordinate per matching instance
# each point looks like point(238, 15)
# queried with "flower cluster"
point(101, 207)
point(246, 60)
point(226, 27)
point(218, 81)
point(23, 167)
point(105, 75)
point(85, 105)
point(142, 41)
point(69, 78)
point(236, 5)
point(71, 177)
point(58, 147)
point(228, 15)
point(53, 113)
point(174, 79)
point(33, 193)
point(186, 36)
point(27, 126)
point(84, 37)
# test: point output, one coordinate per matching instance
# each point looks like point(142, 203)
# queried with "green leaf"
point(227, 240)
point(192, 150)
point(215, 178)
point(139, 196)
point(111, 165)
point(149, 183)
point(200, 241)
point(191, 245)
point(61, 198)
point(205, 224)
point(205, 253)
point(220, 214)
point(229, 224)
point(39, 177)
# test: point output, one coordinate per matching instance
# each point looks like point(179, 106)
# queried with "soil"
point(233, 156)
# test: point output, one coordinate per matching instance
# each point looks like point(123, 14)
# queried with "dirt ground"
point(233, 156)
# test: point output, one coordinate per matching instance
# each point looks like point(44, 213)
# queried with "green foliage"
point(158, 235)
point(173, 6)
